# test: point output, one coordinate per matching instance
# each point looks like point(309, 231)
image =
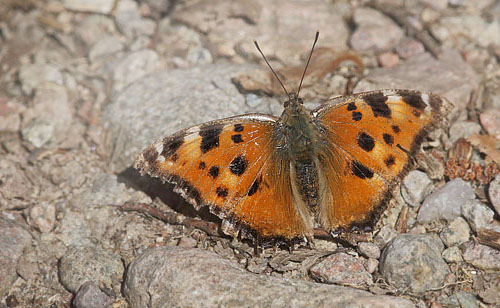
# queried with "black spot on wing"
point(214, 171)
point(361, 171)
point(236, 138)
point(171, 146)
point(416, 113)
point(413, 99)
point(365, 141)
point(221, 192)
point(376, 101)
point(202, 165)
point(356, 116)
point(390, 161)
point(253, 189)
point(174, 157)
point(396, 129)
point(351, 106)
point(239, 165)
point(389, 139)
point(210, 137)
point(238, 128)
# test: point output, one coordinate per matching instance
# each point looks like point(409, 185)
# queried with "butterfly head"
point(293, 101)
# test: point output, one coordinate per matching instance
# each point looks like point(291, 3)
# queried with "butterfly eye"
point(286, 103)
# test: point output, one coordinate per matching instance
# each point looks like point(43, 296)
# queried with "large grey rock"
point(162, 103)
point(416, 185)
point(181, 277)
point(374, 31)
point(90, 264)
point(414, 262)
point(13, 239)
point(446, 202)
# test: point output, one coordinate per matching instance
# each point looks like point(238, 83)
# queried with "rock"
point(180, 45)
point(494, 193)
point(38, 132)
point(16, 189)
point(414, 262)
point(181, 277)
point(90, 296)
point(385, 234)
point(477, 214)
point(369, 250)
point(416, 186)
point(452, 254)
point(460, 299)
point(206, 88)
point(132, 25)
point(463, 129)
point(456, 233)
point(32, 75)
point(134, 66)
point(343, 269)
point(374, 31)
point(10, 116)
point(371, 265)
point(84, 264)
point(263, 21)
point(487, 286)
point(94, 28)
point(409, 47)
point(449, 30)
point(106, 45)
point(92, 6)
point(482, 256)
point(13, 240)
point(51, 117)
point(43, 216)
point(446, 202)
point(490, 120)
point(449, 76)
point(388, 59)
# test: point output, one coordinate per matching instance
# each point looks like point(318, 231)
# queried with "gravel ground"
point(86, 84)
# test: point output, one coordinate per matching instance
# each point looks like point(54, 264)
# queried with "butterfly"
point(278, 177)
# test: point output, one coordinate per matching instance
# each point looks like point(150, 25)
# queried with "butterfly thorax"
point(299, 136)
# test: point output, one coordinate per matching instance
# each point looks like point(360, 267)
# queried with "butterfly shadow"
point(164, 192)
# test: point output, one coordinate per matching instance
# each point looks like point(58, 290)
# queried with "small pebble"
point(494, 193)
point(477, 214)
point(456, 233)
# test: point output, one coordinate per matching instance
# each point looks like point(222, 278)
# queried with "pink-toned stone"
point(343, 269)
point(490, 120)
point(388, 59)
point(408, 47)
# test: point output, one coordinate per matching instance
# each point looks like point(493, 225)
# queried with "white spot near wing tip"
point(193, 130)
point(159, 148)
point(388, 92)
point(425, 98)
point(393, 98)
point(160, 158)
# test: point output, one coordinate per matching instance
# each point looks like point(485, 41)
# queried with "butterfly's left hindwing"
point(370, 138)
point(232, 166)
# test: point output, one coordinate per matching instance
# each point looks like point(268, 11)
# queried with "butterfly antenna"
point(267, 62)
point(307, 64)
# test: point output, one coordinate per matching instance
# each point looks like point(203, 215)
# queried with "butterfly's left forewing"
point(231, 165)
point(370, 138)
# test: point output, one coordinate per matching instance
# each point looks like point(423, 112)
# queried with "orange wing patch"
point(371, 137)
point(229, 165)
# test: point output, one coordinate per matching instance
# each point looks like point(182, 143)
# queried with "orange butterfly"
point(276, 177)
